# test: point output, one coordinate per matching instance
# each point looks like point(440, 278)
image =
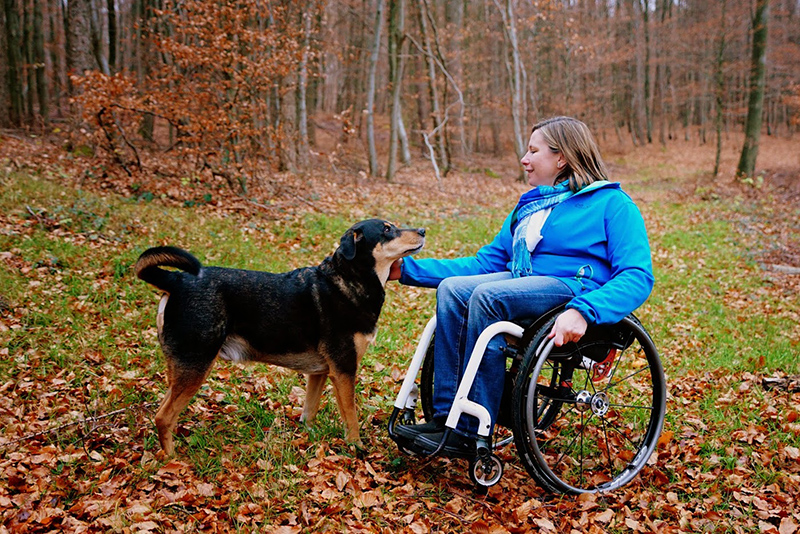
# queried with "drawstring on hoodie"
point(581, 274)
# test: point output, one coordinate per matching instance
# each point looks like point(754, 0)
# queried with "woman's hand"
point(396, 269)
point(569, 326)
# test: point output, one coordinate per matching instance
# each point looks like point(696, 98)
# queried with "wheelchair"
point(584, 417)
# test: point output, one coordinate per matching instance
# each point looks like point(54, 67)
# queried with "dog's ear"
point(347, 246)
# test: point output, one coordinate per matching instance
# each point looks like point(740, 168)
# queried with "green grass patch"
point(79, 341)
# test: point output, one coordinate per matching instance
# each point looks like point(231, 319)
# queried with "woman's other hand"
point(569, 326)
point(396, 269)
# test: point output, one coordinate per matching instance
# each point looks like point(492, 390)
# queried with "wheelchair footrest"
point(427, 447)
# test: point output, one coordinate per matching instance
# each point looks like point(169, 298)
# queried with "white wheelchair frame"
point(485, 467)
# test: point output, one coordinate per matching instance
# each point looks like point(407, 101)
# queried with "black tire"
point(485, 472)
point(578, 431)
point(426, 382)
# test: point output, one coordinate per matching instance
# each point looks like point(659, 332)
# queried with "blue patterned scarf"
point(538, 198)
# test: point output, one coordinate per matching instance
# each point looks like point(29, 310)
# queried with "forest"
point(238, 90)
point(254, 133)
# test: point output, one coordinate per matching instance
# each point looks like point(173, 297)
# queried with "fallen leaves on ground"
point(66, 464)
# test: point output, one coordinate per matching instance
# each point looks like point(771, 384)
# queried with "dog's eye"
point(387, 229)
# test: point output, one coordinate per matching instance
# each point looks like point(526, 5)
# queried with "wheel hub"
point(597, 402)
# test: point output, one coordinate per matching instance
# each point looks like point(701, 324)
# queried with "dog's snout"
point(421, 232)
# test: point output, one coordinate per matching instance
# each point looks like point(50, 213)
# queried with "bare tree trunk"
point(660, 108)
point(454, 15)
point(55, 37)
point(79, 45)
point(646, 68)
point(39, 61)
point(303, 148)
point(27, 58)
point(516, 80)
point(405, 148)
point(315, 101)
point(638, 112)
point(354, 89)
point(430, 62)
point(719, 78)
point(14, 65)
point(396, 63)
point(755, 105)
point(4, 98)
point(97, 39)
point(373, 67)
point(111, 7)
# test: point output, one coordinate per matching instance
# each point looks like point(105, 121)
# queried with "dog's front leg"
point(344, 386)
point(314, 387)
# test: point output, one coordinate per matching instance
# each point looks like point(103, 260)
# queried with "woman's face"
point(541, 163)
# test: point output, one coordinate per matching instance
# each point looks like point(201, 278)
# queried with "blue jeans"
point(465, 306)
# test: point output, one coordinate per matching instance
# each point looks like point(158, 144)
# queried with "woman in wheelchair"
point(575, 239)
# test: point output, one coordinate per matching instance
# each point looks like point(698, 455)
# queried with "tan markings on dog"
point(187, 368)
point(184, 383)
point(314, 387)
point(382, 263)
point(362, 342)
point(150, 261)
point(344, 387)
point(237, 349)
point(385, 254)
point(304, 362)
point(160, 317)
point(344, 287)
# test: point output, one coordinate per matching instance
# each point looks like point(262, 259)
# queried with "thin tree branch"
point(94, 419)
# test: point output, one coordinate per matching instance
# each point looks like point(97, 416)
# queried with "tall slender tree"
point(303, 147)
point(4, 100)
point(397, 42)
point(437, 115)
point(39, 61)
point(14, 66)
point(516, 77)
point(719, 79)
point(111, 9)
point(373, 67)
point(79, 38)
point(454, 15)
point(755, 105)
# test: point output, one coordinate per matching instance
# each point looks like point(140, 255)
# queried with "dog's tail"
point(148, 266)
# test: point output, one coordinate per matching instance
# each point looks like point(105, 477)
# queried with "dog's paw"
point(358, 448)
point(357, 445)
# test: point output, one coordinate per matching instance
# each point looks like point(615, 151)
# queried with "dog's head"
point(379, 241)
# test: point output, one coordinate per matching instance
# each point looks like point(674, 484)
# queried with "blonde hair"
point(573, 139)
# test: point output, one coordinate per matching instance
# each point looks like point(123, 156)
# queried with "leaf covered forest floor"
point(81, 372)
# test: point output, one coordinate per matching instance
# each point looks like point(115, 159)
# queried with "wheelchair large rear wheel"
point(587, 416)
point(426, 382)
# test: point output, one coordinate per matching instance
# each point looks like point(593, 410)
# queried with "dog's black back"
point(280, 318)
point(317, 320)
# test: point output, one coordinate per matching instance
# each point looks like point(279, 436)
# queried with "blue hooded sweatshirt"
point(595, 242)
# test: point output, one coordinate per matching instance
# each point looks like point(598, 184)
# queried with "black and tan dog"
point(317, 320)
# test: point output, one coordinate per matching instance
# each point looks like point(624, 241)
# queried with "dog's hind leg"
point(184, 381)
point(344, 386)
point(314, 386)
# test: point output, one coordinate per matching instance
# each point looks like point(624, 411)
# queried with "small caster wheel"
point(485, 471)
point(406, 451)
point(407, 418)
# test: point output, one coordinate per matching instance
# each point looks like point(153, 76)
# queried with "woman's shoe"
point(456, 445)
point(412, 431)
